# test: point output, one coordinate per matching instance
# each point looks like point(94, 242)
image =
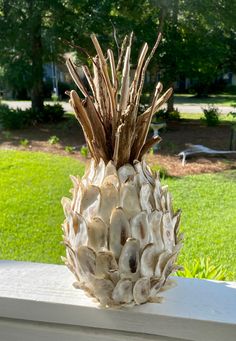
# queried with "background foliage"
point(199, 38)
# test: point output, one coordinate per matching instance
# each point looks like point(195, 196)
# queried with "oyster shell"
point(99, 173)
point(129, 264)
point(90, 201)
point(126, 172)
point(140, 228)
point(109, 200)
point(86, 259)
point(155, 221)
point(122, 292)
point(146, 198)
point(141, 290)
point(77, 230)
point(105, 264)
point(129, 199)
point(119, 231)
point(97, 233)
point(148, 260)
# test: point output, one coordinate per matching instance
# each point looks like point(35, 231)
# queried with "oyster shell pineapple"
point(120, 232)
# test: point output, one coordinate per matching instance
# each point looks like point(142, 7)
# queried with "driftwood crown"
point(109, 118)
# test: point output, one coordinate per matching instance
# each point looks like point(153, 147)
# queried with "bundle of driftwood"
point(112, 126)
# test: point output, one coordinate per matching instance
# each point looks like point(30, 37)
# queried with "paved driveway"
point(186, 108)
point(27, 104)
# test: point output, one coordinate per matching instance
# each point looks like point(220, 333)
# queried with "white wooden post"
point(38, 302)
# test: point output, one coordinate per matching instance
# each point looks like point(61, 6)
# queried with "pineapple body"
point(121, 233)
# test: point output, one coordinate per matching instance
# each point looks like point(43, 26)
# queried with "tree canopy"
point(199, 37)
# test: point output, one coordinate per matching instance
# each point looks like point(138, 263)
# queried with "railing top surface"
point(44, 292)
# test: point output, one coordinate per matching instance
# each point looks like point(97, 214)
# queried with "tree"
point(205, 43)
point(37, 32)
point(198, 41)
point(198, 36)
point(24, 23)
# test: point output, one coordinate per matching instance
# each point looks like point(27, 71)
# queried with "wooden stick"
point(99, 135)
point(149, 143)
point(143, 127)
point(134, 85)
point(81, 115)
point(139, 92)
point(105, 73)
point(124, 91)
point(163, 99)
point(115, 90)
point(122, 51)
point(113, 69)
point(89, 79)
point(93, 88)
point(74, 74)
point(100, 90)
point(117, 144)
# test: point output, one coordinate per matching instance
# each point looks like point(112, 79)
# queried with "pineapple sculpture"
point(120, 232)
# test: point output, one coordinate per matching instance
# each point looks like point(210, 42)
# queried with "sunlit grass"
point(32, 185)
point(31, 188)
point(197, 116)
point(208, 204)
point(219, 99)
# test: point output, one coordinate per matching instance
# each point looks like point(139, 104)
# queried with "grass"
point(223, 99)
point(32, 185)
point(31, 188)
point(219, 99)
point(197, 116)
point(208, 202)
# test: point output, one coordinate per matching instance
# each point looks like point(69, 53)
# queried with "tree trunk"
point(170, 102)
point(37, 95)
point(233, 138)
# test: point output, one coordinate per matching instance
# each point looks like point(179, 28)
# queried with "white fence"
point(38, 302)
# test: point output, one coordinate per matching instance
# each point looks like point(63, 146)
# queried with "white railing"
point(38, 302)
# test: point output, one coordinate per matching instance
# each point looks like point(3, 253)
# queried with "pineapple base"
point(121, 233)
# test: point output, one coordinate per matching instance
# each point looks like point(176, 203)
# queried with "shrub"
point(151, 151)
point(24, 143)
point(15, 118)
point(7, 134)
point(163, 172)
point(164, 115)
point(51, 113)
point(233, 113)
point(54, 97)
point(203, 269)
point(69, 149)
point(211, 116)
point(4, 112)
point(84, 151)
point(18, 118)
point(53, 139)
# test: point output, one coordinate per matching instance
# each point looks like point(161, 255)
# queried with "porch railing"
point(38, 302)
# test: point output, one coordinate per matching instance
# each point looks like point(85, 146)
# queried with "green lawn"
point(31, 187)
point(32, 184)
point(223, 118)
point(219, 99)
point(208, 202)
